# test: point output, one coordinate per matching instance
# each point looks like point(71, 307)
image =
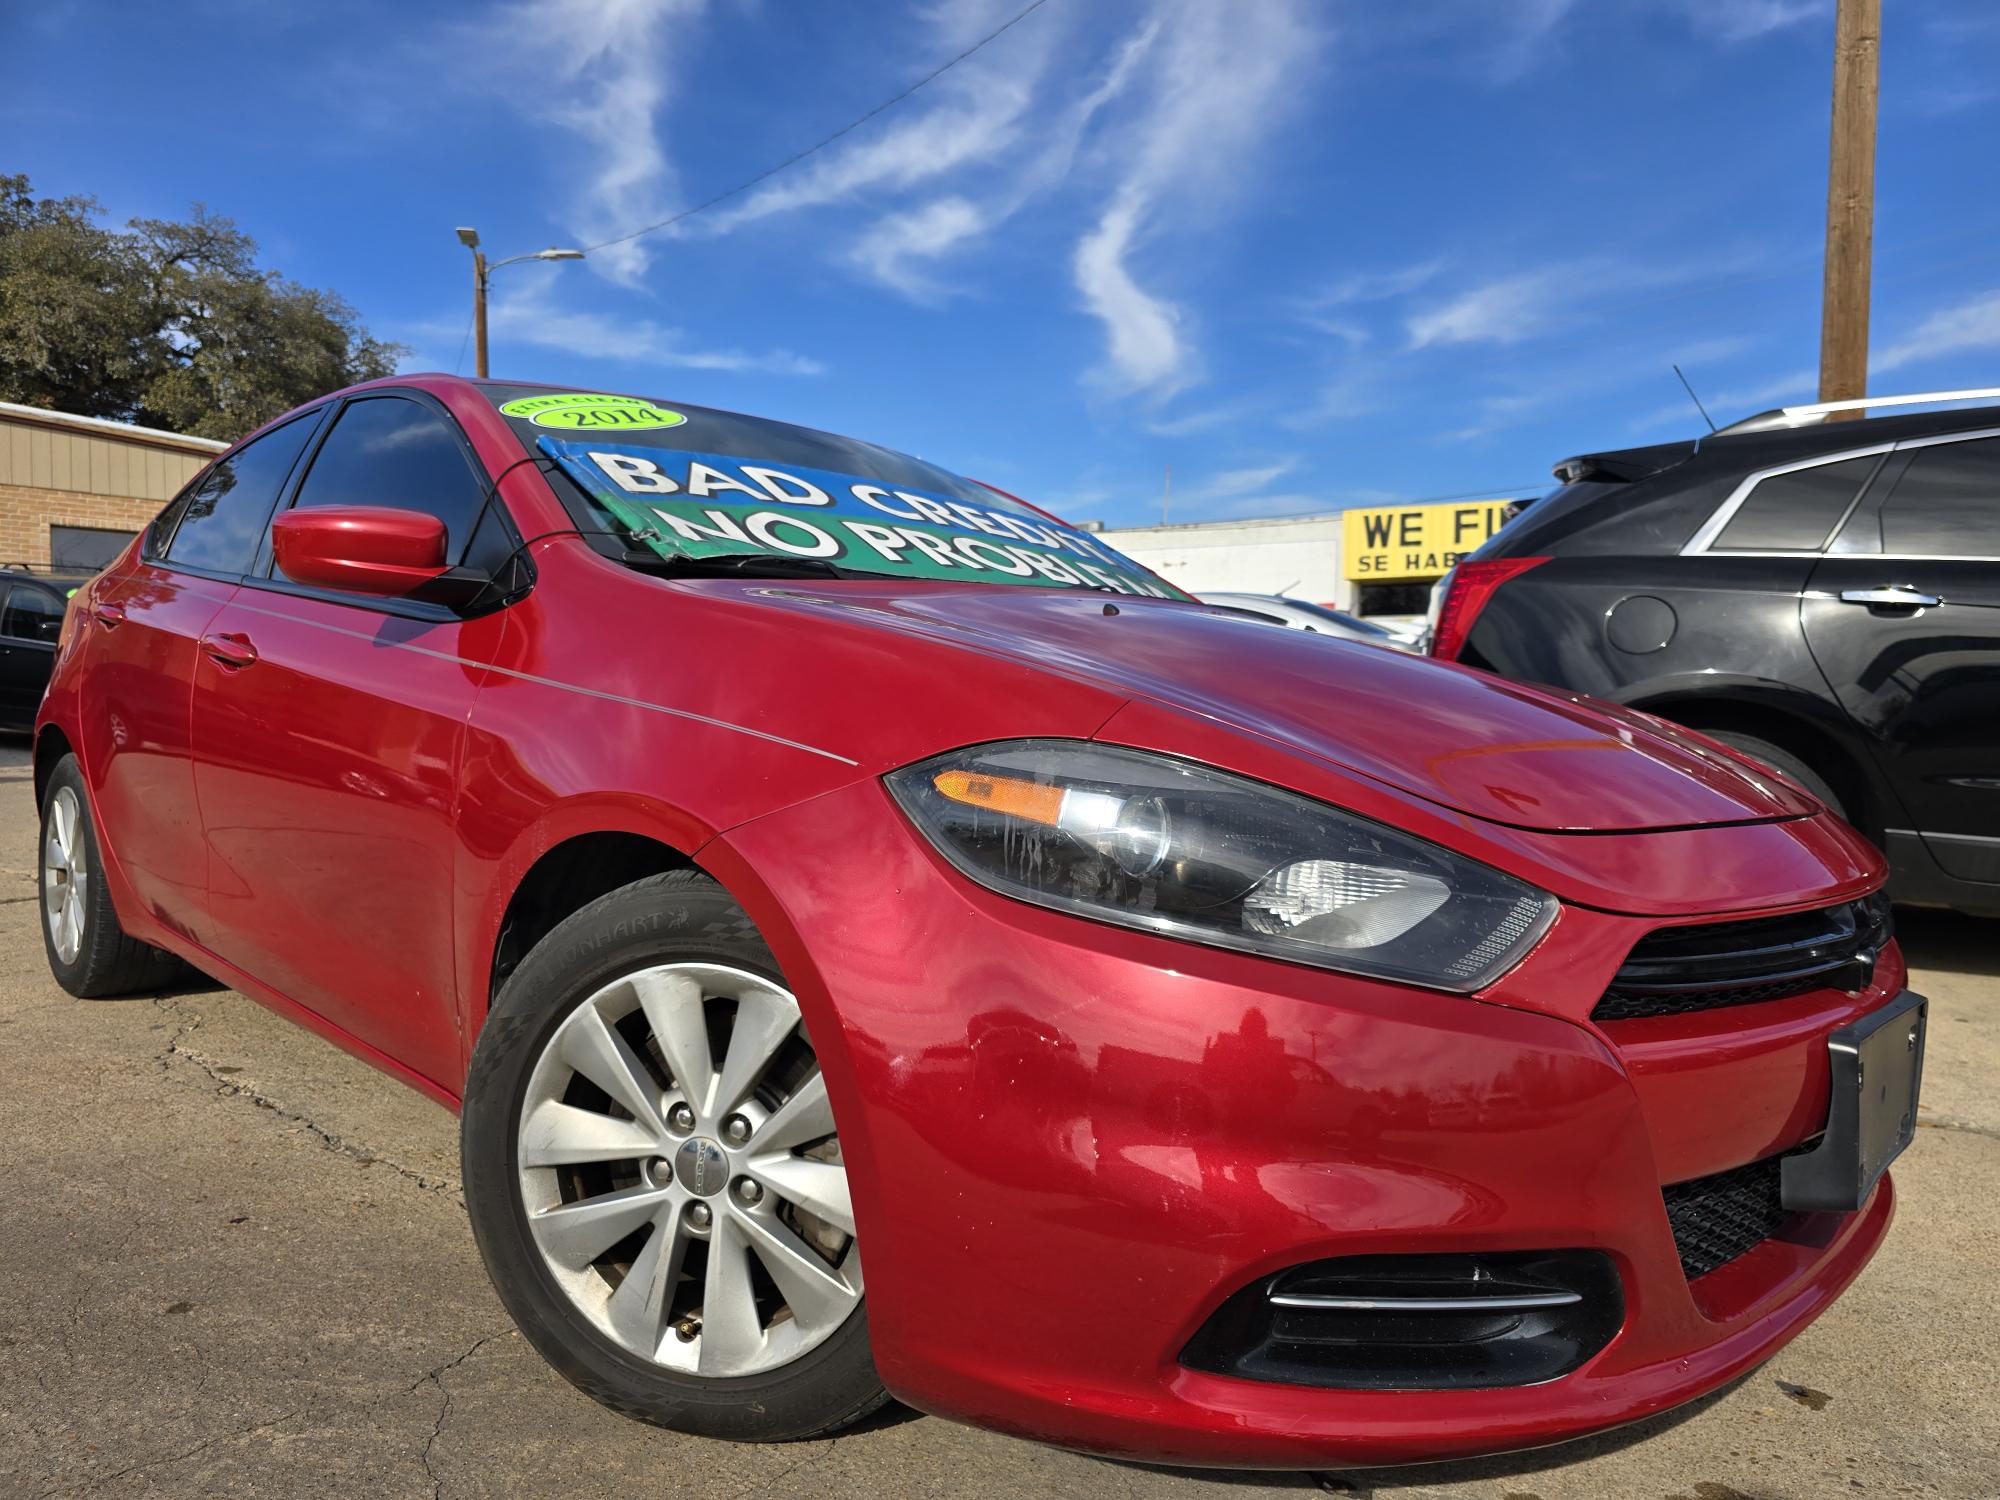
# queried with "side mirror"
point(362, 549)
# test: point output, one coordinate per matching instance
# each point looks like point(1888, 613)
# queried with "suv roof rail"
point(1800, 416)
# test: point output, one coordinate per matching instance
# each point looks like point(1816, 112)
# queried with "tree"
point(166, 324)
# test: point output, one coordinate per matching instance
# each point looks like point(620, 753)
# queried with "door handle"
point(1895, 595)
point(110, 616)
point(230, 647)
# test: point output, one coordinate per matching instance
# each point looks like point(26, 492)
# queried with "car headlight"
point(1151, 842)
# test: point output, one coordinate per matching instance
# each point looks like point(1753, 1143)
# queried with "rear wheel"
point(655, 1177)
point(89, 953)
point(1783, 762)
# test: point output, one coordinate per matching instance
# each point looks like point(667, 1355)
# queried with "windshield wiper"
point(739, 565)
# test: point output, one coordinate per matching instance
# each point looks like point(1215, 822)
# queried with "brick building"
point(74, 490)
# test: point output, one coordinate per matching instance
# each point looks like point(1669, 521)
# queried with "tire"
point(568, 1043)
point(89, 953)
point(1783, 762)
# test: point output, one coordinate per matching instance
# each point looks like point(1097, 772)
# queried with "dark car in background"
point(1821, 595)
point(31, 615)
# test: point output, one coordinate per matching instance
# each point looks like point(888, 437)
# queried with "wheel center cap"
point(702, 1166)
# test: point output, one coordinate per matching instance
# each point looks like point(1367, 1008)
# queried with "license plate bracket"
point(1877, 1069)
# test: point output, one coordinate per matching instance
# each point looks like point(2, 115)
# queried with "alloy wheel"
point(681, 1175)
point(65, 875)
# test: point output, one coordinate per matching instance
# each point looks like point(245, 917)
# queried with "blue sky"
point(1308, 254)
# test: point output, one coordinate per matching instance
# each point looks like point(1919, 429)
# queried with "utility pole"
point(1850, 204)
point(479, 311)
point(470, 239)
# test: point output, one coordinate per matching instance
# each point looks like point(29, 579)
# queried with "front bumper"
point(1070, 1143)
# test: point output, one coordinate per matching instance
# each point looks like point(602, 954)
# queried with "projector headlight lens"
point(1180, 849)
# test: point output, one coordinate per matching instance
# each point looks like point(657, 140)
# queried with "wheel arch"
point(51, 745)
point(1793, 721)
point(563, 879)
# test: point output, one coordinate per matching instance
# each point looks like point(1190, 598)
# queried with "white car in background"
point(1300, 614)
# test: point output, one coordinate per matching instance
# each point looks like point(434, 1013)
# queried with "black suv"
point(1822, 595)
point(31, 616)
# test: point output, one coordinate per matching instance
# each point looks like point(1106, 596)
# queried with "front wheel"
point(654, 1175)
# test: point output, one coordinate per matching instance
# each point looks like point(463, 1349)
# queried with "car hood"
point(1458, 738)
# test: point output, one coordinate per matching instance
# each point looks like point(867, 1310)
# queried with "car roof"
point(1761, 447)
point(60, 582)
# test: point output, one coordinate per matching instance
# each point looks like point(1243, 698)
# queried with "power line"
point(821, 145)
point(461, 342)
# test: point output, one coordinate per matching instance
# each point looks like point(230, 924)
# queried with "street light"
point(481, 269)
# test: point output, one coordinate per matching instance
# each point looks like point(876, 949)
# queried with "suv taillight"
point(1472, 584)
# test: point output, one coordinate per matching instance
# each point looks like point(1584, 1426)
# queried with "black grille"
point(1718, 1218)
point(1680, 969)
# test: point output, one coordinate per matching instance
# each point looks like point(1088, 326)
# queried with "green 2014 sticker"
point(589, 412)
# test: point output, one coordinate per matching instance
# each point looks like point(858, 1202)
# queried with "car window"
point(31, 615)
point(225, 517)
point(1947, 504)
point(390, 451)
point(1795, 512)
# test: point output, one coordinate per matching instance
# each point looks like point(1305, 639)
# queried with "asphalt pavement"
point(234, 1261)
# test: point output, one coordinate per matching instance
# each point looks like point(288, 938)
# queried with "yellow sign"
point(1399, 543)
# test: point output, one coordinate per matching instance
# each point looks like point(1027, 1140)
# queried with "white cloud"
point(1142, 331)
point(1732, 404)
point(1745, 20)
point(601, 69)
point(1534, 303)
point(1244, 491)
point(1500, 312)
point(1524, 40)
point(978, 113)
point(1377, 286)
point(1972, 324)
point(1216, 82)
point(900, 248)
point(528, 314)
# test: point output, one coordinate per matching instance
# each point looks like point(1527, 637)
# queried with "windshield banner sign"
point(684, 504)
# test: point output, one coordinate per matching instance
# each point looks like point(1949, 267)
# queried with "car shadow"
point(1383, 1482)
point(1950, 940)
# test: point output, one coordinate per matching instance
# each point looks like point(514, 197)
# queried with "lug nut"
point(698, 1215)
point(748, 1193)
point(680, 1118)
point(737, 1129)
point(662, 1171)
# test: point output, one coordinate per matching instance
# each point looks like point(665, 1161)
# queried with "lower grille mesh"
point(1718, 1218)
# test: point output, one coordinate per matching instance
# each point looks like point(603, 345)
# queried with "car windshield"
point(694, 489)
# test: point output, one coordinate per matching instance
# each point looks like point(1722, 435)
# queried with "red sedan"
point(1229, 1045)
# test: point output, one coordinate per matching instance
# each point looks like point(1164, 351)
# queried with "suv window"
point(386, 450)
point(225, 516)
point(1795, 512)
point(1947, 504)
point(32, 615)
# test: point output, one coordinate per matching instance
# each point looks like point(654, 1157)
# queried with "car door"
point(146, 619)
point(327, 739)
point(31, 618)
point(10, 665)
point(1903, 617)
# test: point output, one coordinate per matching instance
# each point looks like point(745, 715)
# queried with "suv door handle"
point(110, 616)
point(1898, 595)
point(231, 648)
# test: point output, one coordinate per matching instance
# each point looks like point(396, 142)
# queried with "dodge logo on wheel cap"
point(701, 1166)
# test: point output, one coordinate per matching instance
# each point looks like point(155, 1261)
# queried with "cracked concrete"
point(234, 1262)
point(177, 1049)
